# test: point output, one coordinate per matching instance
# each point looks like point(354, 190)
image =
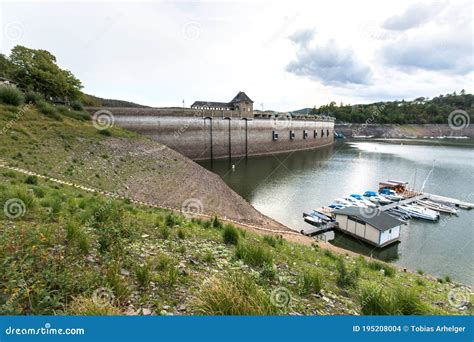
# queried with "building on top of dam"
point(240, 103)
point(211, 130)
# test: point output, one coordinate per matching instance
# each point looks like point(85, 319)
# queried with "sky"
point(285, 55)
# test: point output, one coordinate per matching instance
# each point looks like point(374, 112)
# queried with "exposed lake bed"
point(283, 186)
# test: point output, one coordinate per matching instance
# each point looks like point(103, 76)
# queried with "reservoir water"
point(283, 186)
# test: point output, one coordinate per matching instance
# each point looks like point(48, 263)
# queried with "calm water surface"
point(284, 185)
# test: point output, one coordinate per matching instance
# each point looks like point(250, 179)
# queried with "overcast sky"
point(285, 55)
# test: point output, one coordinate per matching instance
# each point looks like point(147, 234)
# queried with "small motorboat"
point(313, 220)
point(324, 217)
point(364, 201)
point(354, 202)
point(376, 198)
point(438, 207)
point(343, 201)
point(390, 194)
point(335, 206)
point(420, 212)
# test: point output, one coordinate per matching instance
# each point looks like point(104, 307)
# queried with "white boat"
point(376, 198)
point(362, 200)
point(438, 207)
point(343, 202)
point(390, 194)
point(417, 211)
point(354, 202)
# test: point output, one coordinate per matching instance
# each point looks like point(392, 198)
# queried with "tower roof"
point(241, 96)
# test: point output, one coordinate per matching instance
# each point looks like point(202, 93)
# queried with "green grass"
point(230, 235)
point(311, 281)
point(233, 294)
point(253, 254)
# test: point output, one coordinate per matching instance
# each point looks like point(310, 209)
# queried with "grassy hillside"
point(61, 143)
point(67, 251)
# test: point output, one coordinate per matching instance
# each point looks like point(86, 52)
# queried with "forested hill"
point(419, 111)
point(90, 100)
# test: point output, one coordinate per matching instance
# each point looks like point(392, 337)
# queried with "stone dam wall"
point(202, 135)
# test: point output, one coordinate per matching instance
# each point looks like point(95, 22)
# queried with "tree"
point(37, 70)
point(5, 66)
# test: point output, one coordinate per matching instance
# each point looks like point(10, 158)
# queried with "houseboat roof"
point(381, 221)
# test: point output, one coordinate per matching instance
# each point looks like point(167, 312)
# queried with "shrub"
point(11, 96)
point(272, 240)
point(172, 220)
point(48, 110)
point(164, 232)
point(311, 281)
point(181, 234)
point(330, 254)
point(230, 235)
point(33, 97)
point(408, 302)
point(346, 278)
point(77, 105)
point(420, 272)
point(105, 132)
point(216, 223)
point(142, 272)
point(232, 294)
point(375, 300)
point(253, 255)
point(31, 180)
point(377, 266)
point(447, 279)
point(77, 236)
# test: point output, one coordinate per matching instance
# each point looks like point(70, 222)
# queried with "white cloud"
point(328, 63)
point(161, 53)
point(414, 16)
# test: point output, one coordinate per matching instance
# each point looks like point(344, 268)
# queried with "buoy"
point(233, 167)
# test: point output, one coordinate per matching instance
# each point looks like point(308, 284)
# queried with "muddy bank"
point(404, 131)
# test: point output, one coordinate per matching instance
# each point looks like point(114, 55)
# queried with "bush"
point(181, 234)
point(346, 278)
point(33, 180)
point(253, 255)
point(230, 235)
point(142, 272)
point(375, 300)
point(33, 97)
point(48, 110)
point(377, 266)
point(77, 105)
point(216, 223)
point(11, 96)
point(311, 281)
point(273, 241)
point(232, 294)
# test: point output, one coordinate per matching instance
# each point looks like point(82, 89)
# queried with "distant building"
point(377, 228)
point(240, 103)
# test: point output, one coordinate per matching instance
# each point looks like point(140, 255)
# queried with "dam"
point(217, 130)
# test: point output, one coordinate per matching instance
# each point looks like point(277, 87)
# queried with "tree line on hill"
point(419, 111)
